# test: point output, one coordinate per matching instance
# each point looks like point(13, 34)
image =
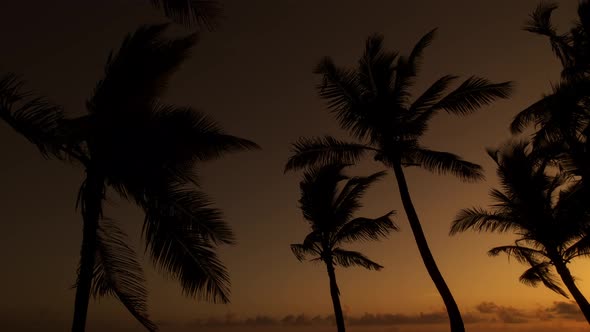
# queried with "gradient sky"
point(254, 75)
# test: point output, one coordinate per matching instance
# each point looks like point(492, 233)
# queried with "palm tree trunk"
point(92, 194)
point(335, 296)
point(452, 309)
point(568, 281)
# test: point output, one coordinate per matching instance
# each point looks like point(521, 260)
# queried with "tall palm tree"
point(145, 151)
point(562, 118)
point(191, 13)
point(372, 102)
point(549, 215)
point(329, 212)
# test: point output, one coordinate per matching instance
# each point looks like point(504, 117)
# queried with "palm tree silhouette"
point(145, 151)
point(329, 212)
point(571, 48)
point(549, 214)
point(561, 119)
point(372, 102)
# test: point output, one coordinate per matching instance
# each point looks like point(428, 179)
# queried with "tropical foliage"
point(145, 151)
point(373, 103)
point(329, 212)
point(548, 214)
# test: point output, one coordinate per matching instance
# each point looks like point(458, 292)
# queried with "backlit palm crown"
point(330, 212)
point(135, 138)
point(147, 152)
point(373, 103)
point(548, 215)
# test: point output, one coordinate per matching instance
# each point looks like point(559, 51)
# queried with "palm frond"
point(181, 136)
point(366, 229)
point(182, 247)
point(318, 188)
point(347, 202)
point(415, 57)
point(540, 20)
point(521, 254)
point(191, 13)
point(431, 96)
point(302, 252)
point(347, 258)
point(375, 71)
point(540, 23)
point(339, 86)
point(579, 248)
point(345, 96)
point(191, 209)
point(558, 114)
point(480, 220)
point(528, 116)
point(34, 117)
point(540, 272)
point(313, 239)
point(137, 74)
point(407, 68)
point(472, 94)
point(118, 273)
point(323, 151)
point(445, 163)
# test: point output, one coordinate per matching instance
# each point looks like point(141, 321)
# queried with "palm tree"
point(372, 102)
point(571, 48)
point(562, 118)
point(145, 151)
point(191, 13)
point(549, 214)
point(329, 212)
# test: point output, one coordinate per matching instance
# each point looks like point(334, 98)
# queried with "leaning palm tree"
point(329, 212)
point(145, 151)
point(372, 102)
point(550, 217)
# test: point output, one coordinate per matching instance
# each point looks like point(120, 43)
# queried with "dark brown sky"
point(254, 75)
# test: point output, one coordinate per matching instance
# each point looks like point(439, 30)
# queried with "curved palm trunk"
point(91, 202)
point(568, 281)
point(452, 309)
point(335, 296)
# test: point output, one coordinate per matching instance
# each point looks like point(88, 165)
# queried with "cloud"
point(557, 311)
point(261, 320)
point(509, 315)
point(397, 319)
point(512, 315)
point(486, 307)
point(566, 310)
point(485, 312)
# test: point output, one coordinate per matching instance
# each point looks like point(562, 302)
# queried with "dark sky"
point(254, 75)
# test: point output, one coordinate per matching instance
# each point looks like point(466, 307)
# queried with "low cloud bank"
point(485, 312)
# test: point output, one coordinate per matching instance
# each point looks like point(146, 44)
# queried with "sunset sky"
point(254, 75)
